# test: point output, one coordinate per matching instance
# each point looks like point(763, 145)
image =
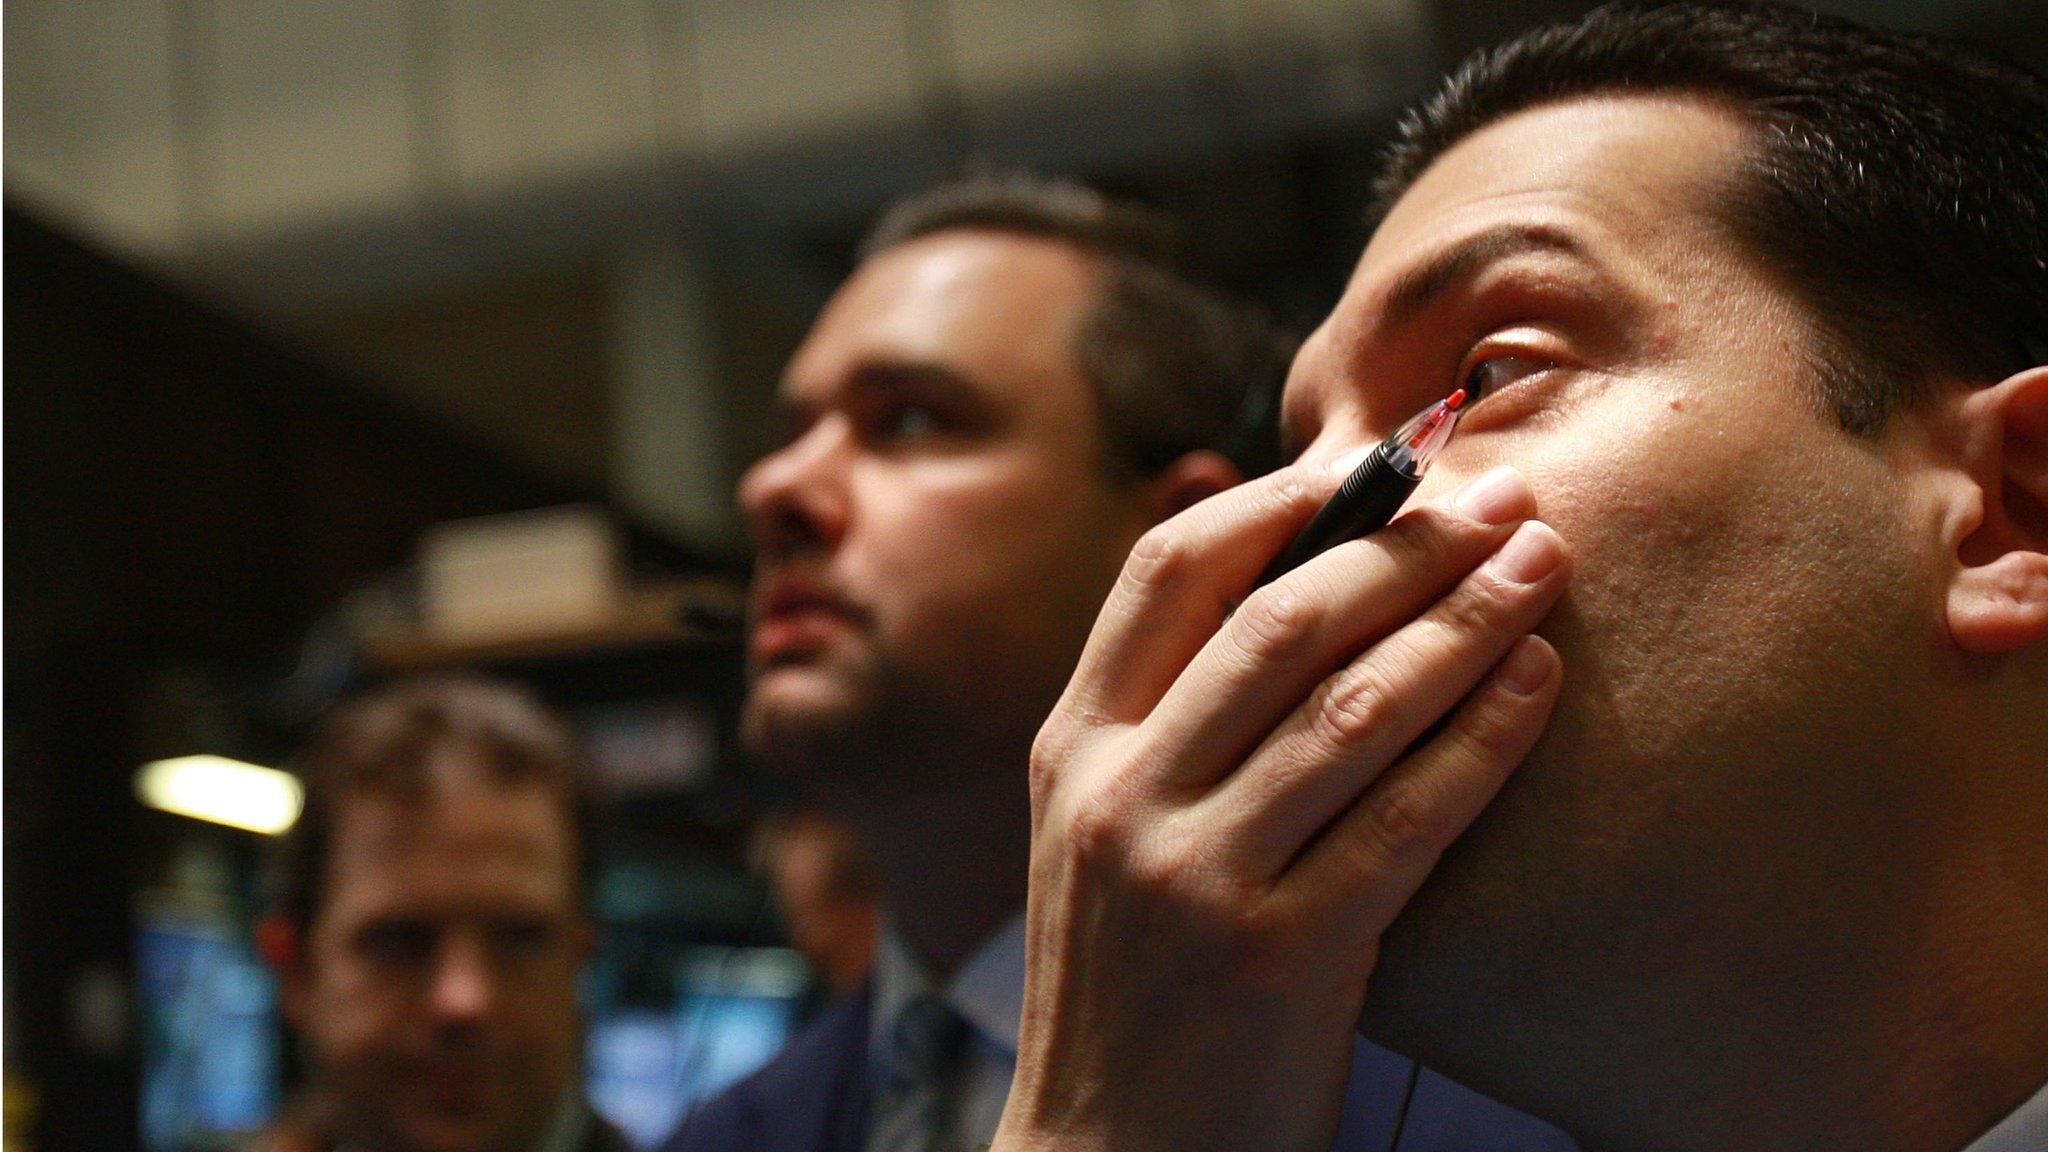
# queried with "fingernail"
point(1499, 497)
point(1347, 463)
point(1527, 668)
point(1532, 553)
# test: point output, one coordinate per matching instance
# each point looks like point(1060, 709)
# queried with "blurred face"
point(934, 542)
point(437, 989)
point(1750, 633)
point(833, 927)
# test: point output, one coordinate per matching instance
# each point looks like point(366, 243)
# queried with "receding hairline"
point(1094, 277)
point(1095, 257)
point(1716, 200)
point(1175, 364)
point(1750, 131)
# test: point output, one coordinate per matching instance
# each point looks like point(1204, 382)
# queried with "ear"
point(1998, 597)
point(1188, 481)
point(282, 946)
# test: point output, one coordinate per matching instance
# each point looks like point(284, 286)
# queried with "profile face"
point(437, 986)
point(1752, 622)
point(935, 540)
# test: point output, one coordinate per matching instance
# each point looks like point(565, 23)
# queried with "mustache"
point(793, 590)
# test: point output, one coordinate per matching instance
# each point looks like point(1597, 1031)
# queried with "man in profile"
point(1757, 619)
point(1012, 387)
point(430, 924)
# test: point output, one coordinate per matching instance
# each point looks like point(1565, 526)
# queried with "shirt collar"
point(2025, 1130)
point(987, 991)
point(564, 1133)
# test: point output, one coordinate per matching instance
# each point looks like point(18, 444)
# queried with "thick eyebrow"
point(1418, 288)
point(894, 375)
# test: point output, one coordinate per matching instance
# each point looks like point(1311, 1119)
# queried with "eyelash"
point(1525, 345)
point(886, 423)
point(1485, 351)
point(1482, 391)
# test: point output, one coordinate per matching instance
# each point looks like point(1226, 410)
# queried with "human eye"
point(396, 943)
point(522, 939)
point(906, 420)
point(1486, 374)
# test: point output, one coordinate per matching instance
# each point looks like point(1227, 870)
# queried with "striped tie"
point(916, 1074)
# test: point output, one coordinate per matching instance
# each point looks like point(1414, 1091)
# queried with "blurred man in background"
point(826, 892)
point(430, 925)
point(1014, 385)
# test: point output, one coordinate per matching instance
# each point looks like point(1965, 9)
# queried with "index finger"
point(1179, 583)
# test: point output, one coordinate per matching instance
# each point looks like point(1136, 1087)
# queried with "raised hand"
point(1229, 807)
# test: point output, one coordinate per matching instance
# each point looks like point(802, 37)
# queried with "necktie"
point(917, 1069)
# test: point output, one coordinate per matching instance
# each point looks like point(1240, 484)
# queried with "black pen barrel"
point(1368, 499)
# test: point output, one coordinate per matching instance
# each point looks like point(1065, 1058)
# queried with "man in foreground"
point(1758, 301)
point(1012, 387)
point(430, 924)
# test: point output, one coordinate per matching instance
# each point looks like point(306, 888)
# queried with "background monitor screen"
point(211, 1048)
point(734, 1009)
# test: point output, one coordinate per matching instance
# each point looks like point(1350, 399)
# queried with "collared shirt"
point(988, 993)
point(564, 1133)
point(2025, 1130)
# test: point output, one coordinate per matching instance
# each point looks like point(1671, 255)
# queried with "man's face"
point(1748, 622)
point(437, 986)
point(935, 541)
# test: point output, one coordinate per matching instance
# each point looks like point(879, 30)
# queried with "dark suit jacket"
point(298, 1130)
point(813, 1098)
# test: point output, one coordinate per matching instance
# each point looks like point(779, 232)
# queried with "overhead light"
point(223, 791)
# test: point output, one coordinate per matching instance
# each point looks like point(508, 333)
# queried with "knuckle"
point(1492, 726)
point(1059, 742)
point(1159, 559)
point(1172, 866)
point(1429, 536)
point(1477, 605)
point(1071, 735)
point(1267, 926)
point(1164, 876)
point(1048, 755)
point(1350, 709)
point(1291, 489)
point(1491, 731)
point(1274, 623)
point(1097, 827)
point(1403, 820)
point(1470, 746)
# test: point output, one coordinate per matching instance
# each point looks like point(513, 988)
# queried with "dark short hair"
point(1176, 366)
point(385, 744)
point(1897, 184)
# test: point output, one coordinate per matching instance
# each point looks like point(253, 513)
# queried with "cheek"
point(1721, 602)
point(356, 1024)
point(967, 545)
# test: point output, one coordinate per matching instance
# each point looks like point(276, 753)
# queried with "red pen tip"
point(1455, 400)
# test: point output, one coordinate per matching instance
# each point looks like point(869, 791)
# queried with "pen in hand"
point(1376, 489)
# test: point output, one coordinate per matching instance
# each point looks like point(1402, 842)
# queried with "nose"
point(1330, 405)
point(464, 984)
point(795, 499)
